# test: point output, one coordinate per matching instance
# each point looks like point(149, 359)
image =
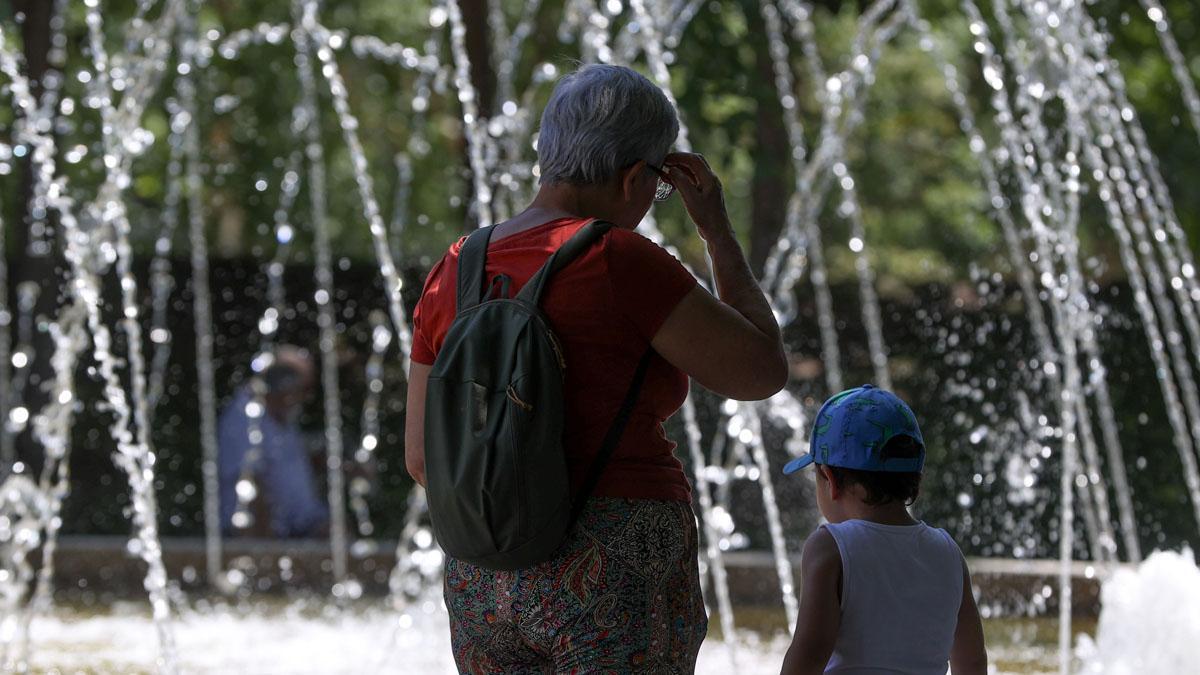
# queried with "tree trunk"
point(770, 183)
point(479, 49)
point(35, 36)
point(478, 40)
point(32, 254)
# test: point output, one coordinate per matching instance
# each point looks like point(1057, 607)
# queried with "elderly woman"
point(622, 593)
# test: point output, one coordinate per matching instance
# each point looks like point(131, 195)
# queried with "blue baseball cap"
point(852, 427)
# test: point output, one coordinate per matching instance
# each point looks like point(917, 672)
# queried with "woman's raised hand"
point(701, 192)
point(742, 355)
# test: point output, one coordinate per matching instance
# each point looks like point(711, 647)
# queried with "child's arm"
point(968, 656)
point(820, 609)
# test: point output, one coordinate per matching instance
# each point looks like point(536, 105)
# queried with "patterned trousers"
point(622, 595)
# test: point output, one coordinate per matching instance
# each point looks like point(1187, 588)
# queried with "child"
point(880, 591)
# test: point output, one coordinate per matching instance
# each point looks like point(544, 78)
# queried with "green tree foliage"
point(924, 208)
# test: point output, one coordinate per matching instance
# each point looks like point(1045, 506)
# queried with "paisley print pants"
point(622, 595)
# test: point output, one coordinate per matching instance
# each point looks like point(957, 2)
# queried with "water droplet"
point(18, 416)
point(423, 538)
point(246, 491)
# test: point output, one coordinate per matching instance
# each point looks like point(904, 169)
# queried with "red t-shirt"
point(605, 307)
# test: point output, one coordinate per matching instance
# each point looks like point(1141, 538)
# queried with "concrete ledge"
point(1035, 567)
point(100, 568)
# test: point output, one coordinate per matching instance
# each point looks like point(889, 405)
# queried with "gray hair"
point(599, 120)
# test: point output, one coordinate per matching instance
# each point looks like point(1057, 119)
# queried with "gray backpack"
point(499, 491)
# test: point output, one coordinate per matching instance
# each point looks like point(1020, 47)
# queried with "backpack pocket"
point(478, 410)
point(466, 468)
point(518, 418)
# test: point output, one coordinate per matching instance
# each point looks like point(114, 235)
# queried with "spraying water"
point(1038, 53)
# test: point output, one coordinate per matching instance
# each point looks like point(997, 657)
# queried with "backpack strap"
point(612, 437)
point(472, 269)
point(581, 241)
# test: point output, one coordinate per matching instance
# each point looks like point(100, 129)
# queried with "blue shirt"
point(282, 473)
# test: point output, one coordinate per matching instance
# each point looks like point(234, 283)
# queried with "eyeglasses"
point(664, 189)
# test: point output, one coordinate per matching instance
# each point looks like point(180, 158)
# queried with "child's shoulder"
point(821, 549)
point(857, 533)
point(944, 534)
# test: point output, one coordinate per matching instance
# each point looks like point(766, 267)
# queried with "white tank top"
point(901, 590)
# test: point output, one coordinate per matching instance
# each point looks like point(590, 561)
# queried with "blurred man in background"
point(280, 495)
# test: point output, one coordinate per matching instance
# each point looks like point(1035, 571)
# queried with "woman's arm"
point(820, 608)
point(732, 345)
point(414, 422)
point(968, 656)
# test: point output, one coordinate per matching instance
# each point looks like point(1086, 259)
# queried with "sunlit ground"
point(1015, 645)
point(277, 636)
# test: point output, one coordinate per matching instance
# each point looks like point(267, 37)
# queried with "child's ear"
point(835, 490)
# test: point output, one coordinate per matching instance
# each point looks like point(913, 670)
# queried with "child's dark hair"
point(883, 487)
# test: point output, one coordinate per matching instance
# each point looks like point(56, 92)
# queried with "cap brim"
point(798, 463)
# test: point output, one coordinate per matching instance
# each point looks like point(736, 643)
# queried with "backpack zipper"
point(535, 313)
point(562, 361)
point(512, 396)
